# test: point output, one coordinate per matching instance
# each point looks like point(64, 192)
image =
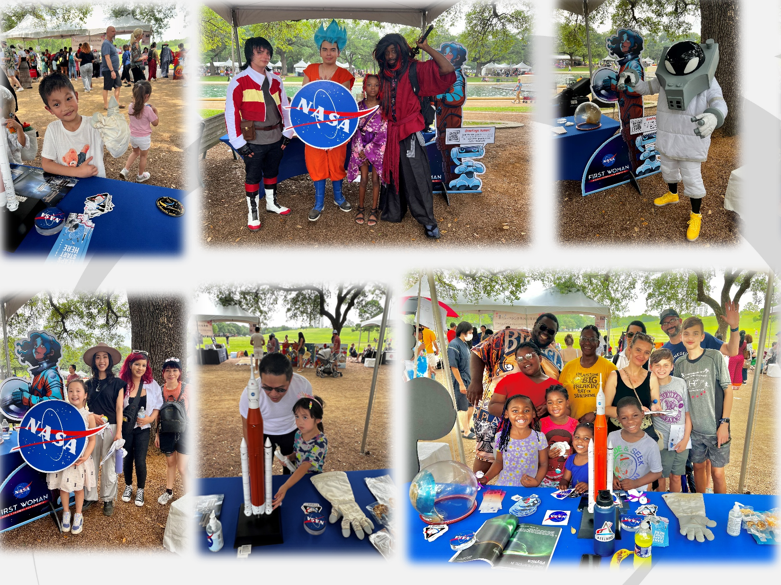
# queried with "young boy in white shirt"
point(71, 146)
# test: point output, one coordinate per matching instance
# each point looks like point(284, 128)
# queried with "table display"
point(575, 147)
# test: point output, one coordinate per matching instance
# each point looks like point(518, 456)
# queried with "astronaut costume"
point(685, 118)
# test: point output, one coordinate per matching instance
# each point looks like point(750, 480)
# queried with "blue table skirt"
point(135, 226)
point(576, 147)
point(296, 539)
point(724, 549)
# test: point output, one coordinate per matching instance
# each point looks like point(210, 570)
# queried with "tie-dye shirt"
point(313, 451)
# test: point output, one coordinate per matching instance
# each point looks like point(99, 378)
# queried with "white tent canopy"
point(548, 301)
point(31, 28)
point(522, 66)
point(205, 310)
point(375, 321)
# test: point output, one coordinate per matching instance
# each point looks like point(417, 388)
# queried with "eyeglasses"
point(545, 329)
point(269, 389)
point(527, 357)
point(589, 339)
point(668, 323)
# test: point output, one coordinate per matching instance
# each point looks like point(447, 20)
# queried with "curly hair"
point(506, 425)
point(614, 43)
point(25, 350)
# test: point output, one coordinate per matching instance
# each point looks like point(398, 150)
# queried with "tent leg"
point(588, 37)
point(234, 41)
point(377, 362)
point(5, 339)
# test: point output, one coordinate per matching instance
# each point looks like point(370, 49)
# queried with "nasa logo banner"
point(608, 167)
point(52, 436)
point(324, 114)
point(24, 496)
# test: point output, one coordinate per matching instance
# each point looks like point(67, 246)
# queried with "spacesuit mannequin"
point(690, 107)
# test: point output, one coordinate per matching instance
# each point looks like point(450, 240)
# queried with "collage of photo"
point(359, 291)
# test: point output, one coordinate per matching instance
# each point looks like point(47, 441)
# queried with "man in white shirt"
point(257, 341)
point(280, 389)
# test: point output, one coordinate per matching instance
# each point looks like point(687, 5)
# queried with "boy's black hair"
point(531, 345)
point(252, 44)
point(556, 388)
point(73, 366)
point(639, 324)
point(52, 83)
point(315, 407)
point(276, 364)
point(504, 428)
point(628, 401)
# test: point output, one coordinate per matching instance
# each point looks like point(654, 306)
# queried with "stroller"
point(327, 364)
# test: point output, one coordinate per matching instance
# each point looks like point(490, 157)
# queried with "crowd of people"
point(521, 398)
point(389, 140)
point(132, 404)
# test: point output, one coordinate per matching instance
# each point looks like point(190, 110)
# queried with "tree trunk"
point(158, 325)
point(730, 276)
point(212, 70)
point(721, 22)
point(283, 59)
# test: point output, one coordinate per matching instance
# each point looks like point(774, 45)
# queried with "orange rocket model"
point(600, 444)
point(255, 448)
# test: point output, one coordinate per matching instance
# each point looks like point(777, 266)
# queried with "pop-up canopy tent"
point(584, 7)
point(375, 321)
point(205, 310)
point(30, 28)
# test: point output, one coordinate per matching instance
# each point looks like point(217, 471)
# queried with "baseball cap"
point(668, 313)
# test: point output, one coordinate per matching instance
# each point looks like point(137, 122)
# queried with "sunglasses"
point(527, 357)
point(141, 351)
point(545, 329)
point(269, 389)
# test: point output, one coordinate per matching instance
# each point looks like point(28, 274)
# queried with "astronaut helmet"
point(684, 57)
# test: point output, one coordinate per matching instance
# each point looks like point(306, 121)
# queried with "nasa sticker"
point(434, 531)
point(556, 518)
point(647, 510)
point(50, 221)
point(605, 533)
point(170, 206)
point(462, 541)
point(324, 114)
point(630, 522)
point(562, 494)
point(308, 508)
point(314, 524)
point(53, 435)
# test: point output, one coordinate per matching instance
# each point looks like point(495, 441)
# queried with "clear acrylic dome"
point(444, 492)
point(588, 113)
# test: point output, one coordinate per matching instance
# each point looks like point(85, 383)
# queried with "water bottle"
point(604, 524)
point(214, 533)
point(644, 540)
point(6, 430)
point(734, 521)
point(141, 413)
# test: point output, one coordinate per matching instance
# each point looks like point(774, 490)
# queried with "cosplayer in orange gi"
point(325, 164)
point(255, 115)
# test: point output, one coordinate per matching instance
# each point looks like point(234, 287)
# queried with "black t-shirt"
point(86, 58)
point(102, 397)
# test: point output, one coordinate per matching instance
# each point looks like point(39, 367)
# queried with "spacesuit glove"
point(244, 150)
point(690, 511)
point(627, 79)
point(335, 487)
point(706, 124)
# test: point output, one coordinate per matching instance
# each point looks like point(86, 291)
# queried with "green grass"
point(209, 113)
point(226, 79)
point(499, 109)
point(317, 336)
point(583, 69)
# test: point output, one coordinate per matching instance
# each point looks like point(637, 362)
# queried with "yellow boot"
point(695, 222)
point(666, 199)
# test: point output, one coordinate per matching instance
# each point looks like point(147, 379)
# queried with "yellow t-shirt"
point(582, 384)
point(428, 340)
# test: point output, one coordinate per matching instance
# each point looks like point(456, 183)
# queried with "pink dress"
point(368, 143)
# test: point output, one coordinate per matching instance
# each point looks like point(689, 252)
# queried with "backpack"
point(173, 415)
point(427, 107)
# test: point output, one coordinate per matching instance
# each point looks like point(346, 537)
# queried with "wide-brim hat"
point(90, 353)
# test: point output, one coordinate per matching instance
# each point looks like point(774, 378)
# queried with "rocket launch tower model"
point(258, 523)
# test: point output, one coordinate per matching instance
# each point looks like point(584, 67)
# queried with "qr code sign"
point(453, 136)
point(636, 126)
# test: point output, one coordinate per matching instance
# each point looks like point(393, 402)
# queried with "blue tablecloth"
point(135, 226)
point(296, 539)
point(576, 147)
point(723, 549)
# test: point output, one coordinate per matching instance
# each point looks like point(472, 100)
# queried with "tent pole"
point(588, 36)
point(234, 41)
point(447, 374)
point(417, 314)
point(360, 332)
point(377, 362)
point(755, 383)
point(5, 338)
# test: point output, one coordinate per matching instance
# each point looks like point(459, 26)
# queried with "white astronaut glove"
point(690, 510)
point(627, 79)
point(335, 487)
point(706, 124)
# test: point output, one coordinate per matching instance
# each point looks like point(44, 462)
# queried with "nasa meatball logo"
point(609, 160)
point(22, 490)
point(558, 516)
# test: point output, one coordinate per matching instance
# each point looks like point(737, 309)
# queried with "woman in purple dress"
point(368, 148)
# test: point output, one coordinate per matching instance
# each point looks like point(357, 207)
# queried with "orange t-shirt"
point(320, 163)
point(172, 395)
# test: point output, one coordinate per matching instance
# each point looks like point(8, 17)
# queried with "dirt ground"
point(165, 162)
point(130, 528)
point(762, 470)
point(621, 215)
point(498, 215)
point(346, 400)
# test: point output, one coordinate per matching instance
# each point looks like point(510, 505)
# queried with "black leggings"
point(136, 445)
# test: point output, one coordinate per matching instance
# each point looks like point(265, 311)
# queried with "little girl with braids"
point(309, 445)
point(521, 452)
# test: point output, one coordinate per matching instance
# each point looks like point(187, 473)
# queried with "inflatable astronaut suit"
point(691, 106)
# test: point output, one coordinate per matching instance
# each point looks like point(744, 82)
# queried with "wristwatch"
point(723, 420)
point(734, 330)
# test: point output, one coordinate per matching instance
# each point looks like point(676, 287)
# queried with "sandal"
point(359, 217)
point(374, 217)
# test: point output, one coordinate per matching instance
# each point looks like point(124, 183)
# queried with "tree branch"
point(62, 316)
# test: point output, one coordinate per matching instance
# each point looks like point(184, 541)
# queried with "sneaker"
point(666, 199)
point(143, 178)
point(108, 508)
point(315, 214)
point(165, 498)
point(127, 495)
point(20, 89)
point(695, 222)
point(66, 521)
point(470, 436)
point(125, 174)
point(140, 497)
point(78, 524)
point(432, 231)
point(344, 205)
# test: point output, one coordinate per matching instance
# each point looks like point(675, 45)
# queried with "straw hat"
point(90, 353)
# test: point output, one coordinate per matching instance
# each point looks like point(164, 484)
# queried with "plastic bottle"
point(644, 540)
point(734, 521)
point(214, 533)
point(141, 413)
point(6, 430)
point(604, 524)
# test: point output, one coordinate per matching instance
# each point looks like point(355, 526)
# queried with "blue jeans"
point(71, 70)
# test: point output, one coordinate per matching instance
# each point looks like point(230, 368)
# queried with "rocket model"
point(592, 496)
point(255, 456)
point(600, 444)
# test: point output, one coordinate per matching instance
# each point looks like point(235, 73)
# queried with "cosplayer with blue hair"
point(41, 352)
point(334, 34)
point(625, 44)
point(449, 105)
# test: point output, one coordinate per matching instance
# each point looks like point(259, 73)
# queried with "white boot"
point(271, 202)
point(253, 218)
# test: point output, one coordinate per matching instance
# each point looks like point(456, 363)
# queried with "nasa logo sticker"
point(324, 114)
point(21, 491)
point(556, 518)
point(52, 436)
point(605, 534)
point(50, 221)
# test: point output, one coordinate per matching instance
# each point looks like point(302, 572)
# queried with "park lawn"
point(209, 113)
point(511, 109)
point(316, 336)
